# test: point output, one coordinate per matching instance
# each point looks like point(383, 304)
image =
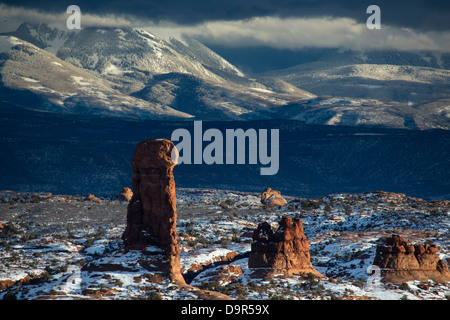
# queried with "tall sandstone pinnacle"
point(285, 251)
point(401, 262)
point(151, 212)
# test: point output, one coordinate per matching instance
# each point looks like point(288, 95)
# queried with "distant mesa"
point(272, 198)
point(401, 261)
point(285, 251)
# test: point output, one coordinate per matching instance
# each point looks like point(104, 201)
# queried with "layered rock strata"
point(401, 261)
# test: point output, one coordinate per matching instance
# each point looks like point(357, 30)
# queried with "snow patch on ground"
point(343, 231)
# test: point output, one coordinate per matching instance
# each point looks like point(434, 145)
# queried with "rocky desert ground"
point(69, 247)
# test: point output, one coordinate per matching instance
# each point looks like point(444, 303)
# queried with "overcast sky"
point(416, 14)
point(276, 24)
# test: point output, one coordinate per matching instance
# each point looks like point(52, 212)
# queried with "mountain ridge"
point(137, 74)
point(130, 59)
point(406, 77)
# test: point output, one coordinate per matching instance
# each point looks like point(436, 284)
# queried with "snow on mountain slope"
point(211, 60)
point(42, 36)
point(147, 76)
point(6, 43)
point(34, 78)
point(127, 49)
point(386, 72)
point(346, 111)
point(377, 88)
point(180, 74)
point(406, 77)
point(186, 75)
point(438, 108)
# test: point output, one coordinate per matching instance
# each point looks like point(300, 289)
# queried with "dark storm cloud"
point(415, 14)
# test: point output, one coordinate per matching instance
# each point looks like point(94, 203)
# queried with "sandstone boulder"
point(151, 212)
point(125, 194)
point(400, 261)
point(285, 251)
point(91, 197)
point(272, 198)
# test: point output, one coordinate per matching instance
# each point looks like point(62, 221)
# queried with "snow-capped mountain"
point(376, 88)
point(180, 78)
point(130, 72)
point(125, 51)
point(36, 79)
point(42, 36)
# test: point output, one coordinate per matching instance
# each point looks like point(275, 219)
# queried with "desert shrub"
point(258, 287)
point(153, 295)
point(9, 230)
point(29, 236)
point(35, 198)
point(229, 202)
point(404, 286)
point(214, 286)
point(240, 290)
point(360, 282)
point(310, 204)
point(224, 205)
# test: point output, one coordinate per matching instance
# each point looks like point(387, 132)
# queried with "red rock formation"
point(27, 278)
point(401, 261)
point(91, 197)
point(151, 212)
point(272, 198)
point(285, 251)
